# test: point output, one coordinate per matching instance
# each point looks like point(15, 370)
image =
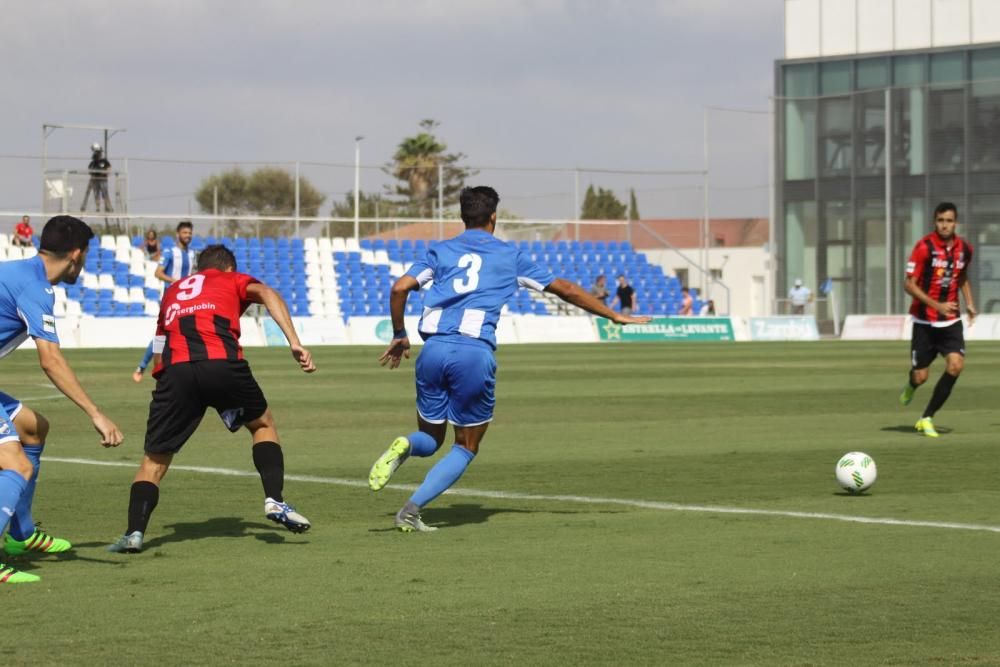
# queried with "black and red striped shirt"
point(939, 267)
point(200, 318)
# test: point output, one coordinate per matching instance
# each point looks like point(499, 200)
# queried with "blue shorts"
point(9, 407)
point(456, 381)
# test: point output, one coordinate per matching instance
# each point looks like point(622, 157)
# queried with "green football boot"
point(387, 464)
point(39, 542)
point(926, 426)
point(10, 575)
point(907, 395)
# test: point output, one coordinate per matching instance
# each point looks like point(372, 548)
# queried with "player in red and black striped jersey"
point(937, 271)
point(199, 364)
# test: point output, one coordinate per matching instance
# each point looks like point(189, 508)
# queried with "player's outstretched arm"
point(399, 347)
point(55, 366)
point(278, 309)
point(575, 294)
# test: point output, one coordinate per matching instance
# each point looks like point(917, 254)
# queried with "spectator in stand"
point(24, 235)
point(687, 302)
point(599, 290)
point(625, 297)
point(151, 245)
point(800, 296)
point(707, 309)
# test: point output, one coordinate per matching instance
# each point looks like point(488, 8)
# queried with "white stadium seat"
point(123, 256)
point(153, 283)
point(352, 245)
point(3, 254)
point(4, 240)
point(29, 252)
point(59, 309)
point(73, 309)
point(60, 293)
point(108, 242)
point(14, 252)
point(382, 257)
point(105, 281)
point(152, 308)
point(120, 294)
point(89, 280)
point(136, 295)
point(324, 245)
point(313, 281)
point(310, 244)
point(122, 242)
point(367, 257)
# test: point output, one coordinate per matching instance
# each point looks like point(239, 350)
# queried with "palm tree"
point(416, 163)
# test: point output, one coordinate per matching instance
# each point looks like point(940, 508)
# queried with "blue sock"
point(22, 526)
point(146, 358)
point(11, 487)
point(421, 444)
point(445, 473)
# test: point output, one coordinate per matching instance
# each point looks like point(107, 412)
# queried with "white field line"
point(583, 500)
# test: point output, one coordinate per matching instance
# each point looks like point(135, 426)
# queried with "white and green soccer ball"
point(856, 472)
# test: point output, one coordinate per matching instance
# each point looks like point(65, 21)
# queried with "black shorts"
point(928, 342)
point(185, 390)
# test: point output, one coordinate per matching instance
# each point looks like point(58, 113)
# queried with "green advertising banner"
point(668, 328)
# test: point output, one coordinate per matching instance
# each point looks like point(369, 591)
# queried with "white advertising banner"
point(876, 327)
point(784, 328)
point(546, 329)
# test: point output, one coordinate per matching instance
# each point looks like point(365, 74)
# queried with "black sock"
point(141, 503)
point(270, 464)
point(941, 392)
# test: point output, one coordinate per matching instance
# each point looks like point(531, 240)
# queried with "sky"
point(561, 84)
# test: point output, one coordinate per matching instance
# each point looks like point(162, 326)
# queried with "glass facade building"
point(866, 146)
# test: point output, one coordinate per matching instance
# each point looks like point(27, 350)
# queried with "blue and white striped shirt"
point(474, 275)
point(178, 263)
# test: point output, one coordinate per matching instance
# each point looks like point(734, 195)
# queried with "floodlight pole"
point(357, 186)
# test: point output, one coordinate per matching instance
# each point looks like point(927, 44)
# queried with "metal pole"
point(706, 282)
point(887, 156)
point(441, 190)
point(576, 203)
point(297, 201)
point(357, 186)
point(215, 210)
point(772, 254)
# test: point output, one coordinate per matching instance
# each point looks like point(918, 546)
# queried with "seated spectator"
point(151, 245)
point(24, 235)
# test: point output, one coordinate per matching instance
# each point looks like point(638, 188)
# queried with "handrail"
point(705, 272)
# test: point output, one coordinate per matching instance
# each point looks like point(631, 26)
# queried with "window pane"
point(835, 136)
point(985, 64)
point(947, 67)
point(873, 73)
point(909, 70)
point(910, 219)
point(986, 240)
point(947, 129)
point(872, 214)
point(800, 80)
point(985, 130)
point(800, 139)
point(800, 243)
point(835, 77)
point(909, 125)
point(871, 124)
point(838, 247)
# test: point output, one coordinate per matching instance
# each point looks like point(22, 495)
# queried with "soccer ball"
point(856, 472)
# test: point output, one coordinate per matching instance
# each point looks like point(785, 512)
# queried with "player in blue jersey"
point(474, 275)
point(26, 300)
point(175, 263)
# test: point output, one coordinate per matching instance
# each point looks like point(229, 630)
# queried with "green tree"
point(633, 205)
point(601, 204)
point(268, 191)
point(415, 165)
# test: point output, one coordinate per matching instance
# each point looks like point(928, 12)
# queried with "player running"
point(175, 264)
point(199, 364)
point(474, 274)
point(937, 271)
point(26, 300)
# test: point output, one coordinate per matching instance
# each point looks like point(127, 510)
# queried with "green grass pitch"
point(521, 577)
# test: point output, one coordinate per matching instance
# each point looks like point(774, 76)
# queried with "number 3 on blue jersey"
point(471, 280)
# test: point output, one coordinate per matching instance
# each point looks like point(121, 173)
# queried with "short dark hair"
point(943, 207)
point(478, 205)
point(216, 257)
point(64, 234)
point(185, 224)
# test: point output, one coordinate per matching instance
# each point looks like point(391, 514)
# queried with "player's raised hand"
point(393, 355)
point(304, 357)
point(111, 436)
point(631, 319)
